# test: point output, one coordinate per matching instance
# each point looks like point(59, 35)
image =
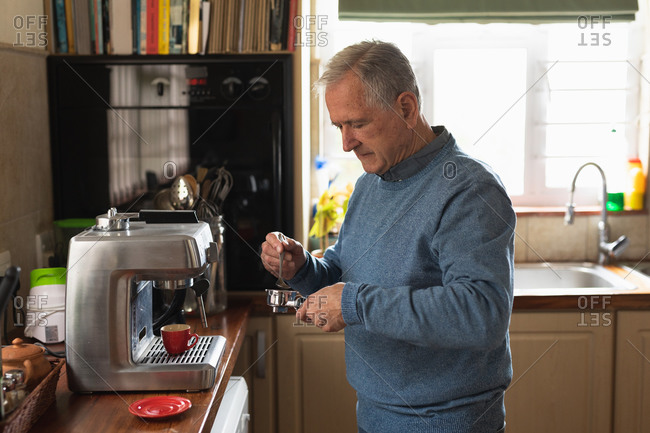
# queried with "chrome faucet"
point(606, 250)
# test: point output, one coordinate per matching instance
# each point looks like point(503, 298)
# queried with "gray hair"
point(382, 68)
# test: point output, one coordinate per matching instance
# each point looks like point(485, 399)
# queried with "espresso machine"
point(113, 270)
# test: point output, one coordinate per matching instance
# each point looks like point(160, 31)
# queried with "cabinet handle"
point(260, 354)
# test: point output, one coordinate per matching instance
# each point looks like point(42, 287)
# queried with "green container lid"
point(75, 223)
point(47, 276)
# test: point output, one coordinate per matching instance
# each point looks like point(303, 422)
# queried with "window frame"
point(425, 39)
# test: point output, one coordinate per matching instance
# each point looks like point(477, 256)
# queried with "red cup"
point(177, 338)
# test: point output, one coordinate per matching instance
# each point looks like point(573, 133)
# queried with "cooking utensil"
point(195, 188)
point(280, 281)
point(181, 194)
point(162, 200)
point(221, 186)
point(282, 300)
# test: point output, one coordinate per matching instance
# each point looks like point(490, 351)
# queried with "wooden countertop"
point(109, 412)
point(637, 299)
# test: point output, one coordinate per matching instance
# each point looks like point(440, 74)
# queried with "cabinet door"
point(563, 365)
point(314, 395)
point(256, 363)
point(632, 398)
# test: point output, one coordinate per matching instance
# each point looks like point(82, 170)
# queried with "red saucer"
point(160, 407)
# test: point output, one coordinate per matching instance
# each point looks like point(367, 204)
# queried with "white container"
point(233, 416)
point(45, 305)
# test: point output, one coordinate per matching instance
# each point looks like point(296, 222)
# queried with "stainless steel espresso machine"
point(113, 270)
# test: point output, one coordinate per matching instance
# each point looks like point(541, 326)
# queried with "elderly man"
point(421, 275)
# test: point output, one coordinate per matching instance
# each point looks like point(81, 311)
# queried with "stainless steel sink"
point(567, 279)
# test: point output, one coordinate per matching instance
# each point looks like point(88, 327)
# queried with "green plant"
point(330, 211)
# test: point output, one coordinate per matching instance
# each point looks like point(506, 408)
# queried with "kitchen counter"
point(109, 412)
point(638, 299)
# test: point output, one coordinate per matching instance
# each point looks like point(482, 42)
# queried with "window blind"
point(485, 11)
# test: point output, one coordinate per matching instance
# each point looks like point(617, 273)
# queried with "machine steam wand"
point(201, 286)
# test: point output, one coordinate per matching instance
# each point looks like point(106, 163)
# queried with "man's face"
point(379, 137)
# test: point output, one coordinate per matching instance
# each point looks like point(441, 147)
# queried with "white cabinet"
point(632, 393)
point(313, 393)
point(574, 371)
point(563, 372)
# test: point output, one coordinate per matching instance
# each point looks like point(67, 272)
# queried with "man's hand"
point(323, 309)
point(294, 255)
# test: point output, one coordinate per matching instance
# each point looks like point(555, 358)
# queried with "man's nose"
point(348, 138)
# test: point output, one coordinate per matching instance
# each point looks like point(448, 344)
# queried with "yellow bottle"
point(636, 185)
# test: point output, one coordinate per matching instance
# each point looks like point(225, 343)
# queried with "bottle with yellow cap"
point(636, 185)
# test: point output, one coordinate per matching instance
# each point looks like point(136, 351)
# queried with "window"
point(533, 101)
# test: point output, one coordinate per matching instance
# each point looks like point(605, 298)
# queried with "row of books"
point(173, 26)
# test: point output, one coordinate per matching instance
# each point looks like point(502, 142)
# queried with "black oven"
point(123, 127)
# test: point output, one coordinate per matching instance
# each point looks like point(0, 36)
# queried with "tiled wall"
point(25, 173)
point(546, 238)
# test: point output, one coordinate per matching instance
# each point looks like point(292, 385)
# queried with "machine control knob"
point(112, 221)
point(231, 88)
point(259, 88)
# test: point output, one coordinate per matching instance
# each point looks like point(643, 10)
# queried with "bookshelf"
point(171, 27)
point(300, 55)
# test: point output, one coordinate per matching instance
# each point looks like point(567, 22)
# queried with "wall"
point(25, 174)
point(542, 238)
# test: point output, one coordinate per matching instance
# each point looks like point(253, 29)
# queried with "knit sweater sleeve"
point(470, 304)
point(317, 273)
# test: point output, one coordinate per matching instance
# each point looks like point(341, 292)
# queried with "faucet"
point(606, 250)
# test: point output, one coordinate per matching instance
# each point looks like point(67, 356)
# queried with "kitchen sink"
point(567, 279)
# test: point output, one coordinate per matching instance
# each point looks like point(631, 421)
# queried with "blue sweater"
point(428, 269)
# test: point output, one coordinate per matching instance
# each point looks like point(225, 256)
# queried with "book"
point(81, 26)
point(291, 27)
point(142, 47)
point(186, 19)
point(135, 25)
point(152, 26)
point(277, 24)
point(121, 27)
point(91, 24)
point(175, 26)
point(59, 24)
point(205, 25)
point(193, 27)
point(69, 19)
point(163, 27)
point(99, 27)
point(106, 27)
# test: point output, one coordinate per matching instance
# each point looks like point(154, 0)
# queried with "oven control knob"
point(231, 88)
point(259, 88)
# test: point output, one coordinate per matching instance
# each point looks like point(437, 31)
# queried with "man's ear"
point(407, 104)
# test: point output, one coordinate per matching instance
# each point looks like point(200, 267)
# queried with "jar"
point(28, 358)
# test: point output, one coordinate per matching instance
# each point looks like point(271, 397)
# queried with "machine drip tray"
point(208, 350)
